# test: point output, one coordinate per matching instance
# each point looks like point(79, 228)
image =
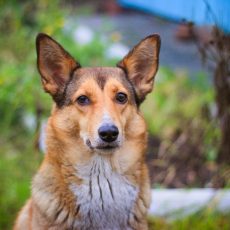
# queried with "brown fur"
point(53, 205)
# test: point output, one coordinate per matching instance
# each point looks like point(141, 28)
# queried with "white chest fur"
point(105, 197)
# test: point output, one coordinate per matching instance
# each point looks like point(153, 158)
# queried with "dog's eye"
point(83, 100)
point(121, 98)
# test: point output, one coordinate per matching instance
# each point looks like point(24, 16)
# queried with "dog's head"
point(98, 106)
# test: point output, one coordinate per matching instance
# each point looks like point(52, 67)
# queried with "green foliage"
point(16, 171)
point(20, 84)
point(179, 103)
point(175, 99)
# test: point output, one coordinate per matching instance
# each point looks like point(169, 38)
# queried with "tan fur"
point(53, 205)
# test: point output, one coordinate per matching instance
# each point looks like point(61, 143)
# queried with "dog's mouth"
point(102, 146)
point(107, 147)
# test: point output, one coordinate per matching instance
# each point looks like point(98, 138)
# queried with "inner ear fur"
point(141, 65)
point(55, 65)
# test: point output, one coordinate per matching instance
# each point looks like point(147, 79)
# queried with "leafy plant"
point(180, 103)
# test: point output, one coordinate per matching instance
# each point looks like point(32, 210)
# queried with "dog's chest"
point(105, 197)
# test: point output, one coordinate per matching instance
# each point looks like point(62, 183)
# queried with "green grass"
point(204, 220)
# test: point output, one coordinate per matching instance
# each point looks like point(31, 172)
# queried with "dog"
point(94, 174)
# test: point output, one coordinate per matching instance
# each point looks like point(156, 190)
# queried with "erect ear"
point(55, 65)
point(141, 65)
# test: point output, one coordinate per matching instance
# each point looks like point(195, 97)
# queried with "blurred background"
point(188, 113)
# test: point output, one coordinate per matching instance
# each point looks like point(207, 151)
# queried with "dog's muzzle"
point(107, 138)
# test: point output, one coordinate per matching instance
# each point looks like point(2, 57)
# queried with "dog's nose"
point(108, 133)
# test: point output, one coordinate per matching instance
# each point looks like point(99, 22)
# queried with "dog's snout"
point(108, 133)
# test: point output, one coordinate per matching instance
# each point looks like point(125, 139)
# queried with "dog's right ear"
point(55, 65)
point(141, 65)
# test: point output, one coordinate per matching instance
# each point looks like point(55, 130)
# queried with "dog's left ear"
point(141, 65)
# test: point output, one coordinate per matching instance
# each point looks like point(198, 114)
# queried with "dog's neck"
point(106, 198)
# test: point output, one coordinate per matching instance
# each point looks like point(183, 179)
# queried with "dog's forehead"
point(101, 75)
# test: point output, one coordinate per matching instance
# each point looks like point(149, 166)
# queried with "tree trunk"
point(222, 86)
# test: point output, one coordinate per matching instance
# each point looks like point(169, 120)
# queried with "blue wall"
point(196, 11)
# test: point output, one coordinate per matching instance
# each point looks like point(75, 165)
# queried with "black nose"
point(108, 133)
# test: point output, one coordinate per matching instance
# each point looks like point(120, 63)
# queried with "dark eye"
point(83, 100)
point(121, 98)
